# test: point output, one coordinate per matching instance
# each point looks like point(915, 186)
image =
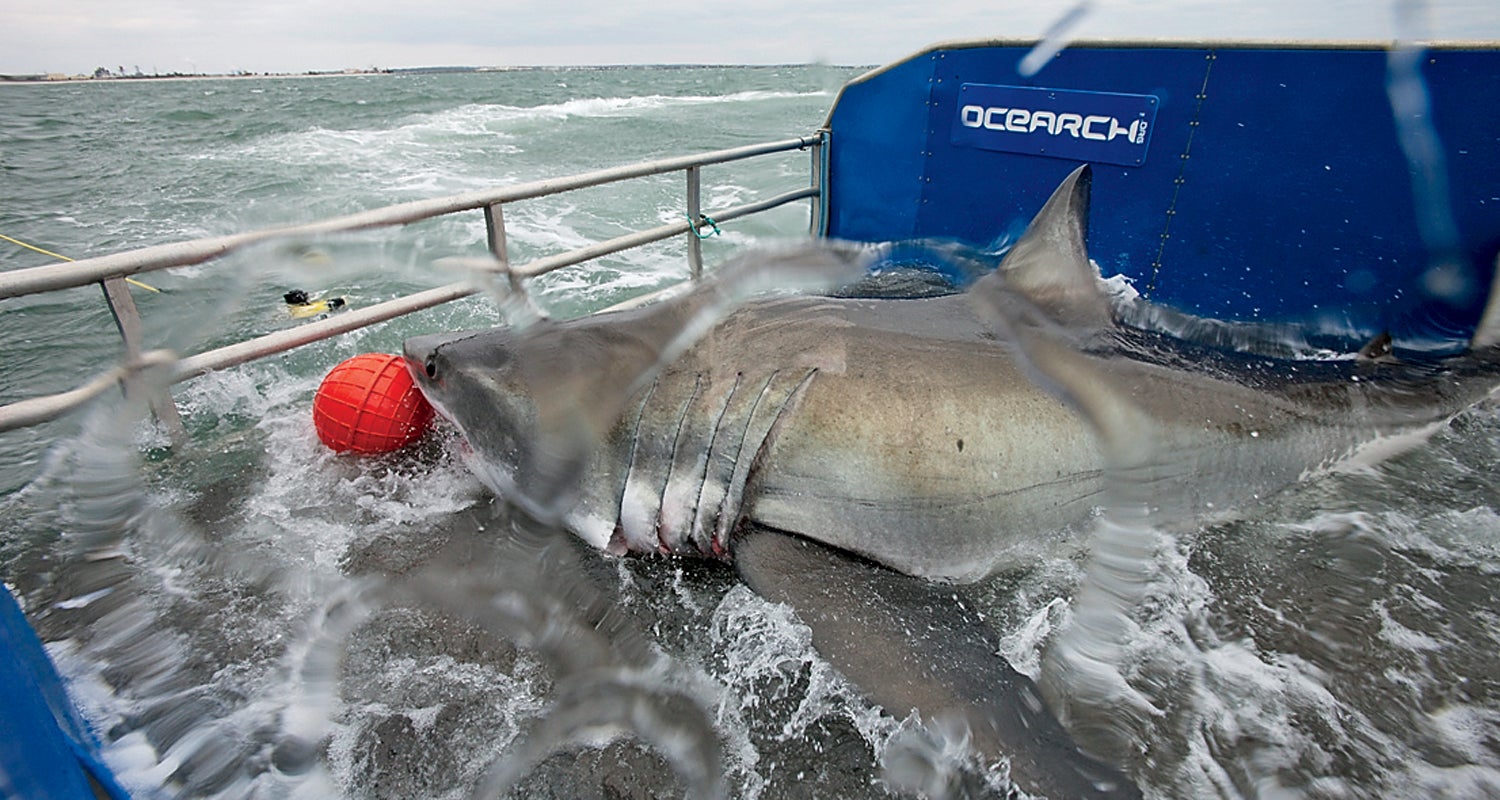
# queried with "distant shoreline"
point(52, 79)
point(60, 78)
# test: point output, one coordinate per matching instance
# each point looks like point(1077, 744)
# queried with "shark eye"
point(431, 368)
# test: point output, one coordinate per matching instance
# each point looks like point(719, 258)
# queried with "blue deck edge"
point(46, 749)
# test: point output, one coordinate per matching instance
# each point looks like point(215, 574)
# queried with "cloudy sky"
point(297, 35)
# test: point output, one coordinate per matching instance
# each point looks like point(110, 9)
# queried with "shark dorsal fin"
point(1050, 266)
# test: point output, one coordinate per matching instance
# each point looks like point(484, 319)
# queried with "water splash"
point(936, 760)
point(1447, 276)
point(1083, 667)
point(112, 612)
point(268, 729)
point(1054, 39)
point(607, 704)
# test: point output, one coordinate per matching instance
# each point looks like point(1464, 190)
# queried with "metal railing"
point(111, 271)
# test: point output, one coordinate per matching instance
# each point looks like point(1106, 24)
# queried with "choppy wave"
point(632, 105)
point(478, 125)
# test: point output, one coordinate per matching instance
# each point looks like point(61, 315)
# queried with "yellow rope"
point(131, 281)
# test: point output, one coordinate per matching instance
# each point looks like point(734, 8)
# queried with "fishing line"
point(59, 256)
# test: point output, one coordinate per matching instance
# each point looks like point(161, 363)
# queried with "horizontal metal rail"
point(115, 267)
point(37, 410)
point(281, 341)
point(92, 270)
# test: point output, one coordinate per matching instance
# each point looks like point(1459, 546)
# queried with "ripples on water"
point(253, 615)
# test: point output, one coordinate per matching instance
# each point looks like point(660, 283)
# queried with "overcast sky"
point(220, 36)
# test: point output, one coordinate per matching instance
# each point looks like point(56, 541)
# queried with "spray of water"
point(1054, 39)
point(1446, 276)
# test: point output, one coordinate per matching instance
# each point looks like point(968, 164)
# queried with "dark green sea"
point(250, 615)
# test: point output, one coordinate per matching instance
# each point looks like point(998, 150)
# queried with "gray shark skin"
point(800, 414)
point(943, 438)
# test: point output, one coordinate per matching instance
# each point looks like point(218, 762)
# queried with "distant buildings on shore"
point(104, 74)
point(121, 74)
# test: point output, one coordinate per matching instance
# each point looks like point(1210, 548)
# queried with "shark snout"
point(461, 371)
point(420, 353)
point(428, 360)
point(430, 357)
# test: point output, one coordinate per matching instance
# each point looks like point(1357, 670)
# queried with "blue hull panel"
point(1268, 183)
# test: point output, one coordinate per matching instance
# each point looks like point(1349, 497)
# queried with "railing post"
point(128, 321)
point(695, 244)
point(494, 227)
point(819, 175)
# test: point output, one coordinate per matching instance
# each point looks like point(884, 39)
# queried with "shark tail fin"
point(1487, 334)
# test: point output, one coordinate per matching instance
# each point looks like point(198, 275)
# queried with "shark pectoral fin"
point(910, 644)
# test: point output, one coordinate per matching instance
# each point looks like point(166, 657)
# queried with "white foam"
point(1023, 646)
point(632, 105)
point(764, 647)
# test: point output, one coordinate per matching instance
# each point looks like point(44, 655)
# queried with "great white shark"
point(832, 447)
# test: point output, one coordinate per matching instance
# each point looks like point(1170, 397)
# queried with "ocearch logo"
point(1100, 127)
point(1097, 127)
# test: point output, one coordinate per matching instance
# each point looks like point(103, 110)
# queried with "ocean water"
point(251, 615)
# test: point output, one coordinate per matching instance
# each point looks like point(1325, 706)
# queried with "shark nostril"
point(431, 368)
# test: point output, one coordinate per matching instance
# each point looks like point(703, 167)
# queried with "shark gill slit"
point(708, 460)
point(689, 464)
point(734, 489)
point(759, 453)
point(723, 483)
point(619, 538)
point(682, 415)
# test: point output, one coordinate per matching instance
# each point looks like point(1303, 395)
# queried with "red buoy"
point(369, 404)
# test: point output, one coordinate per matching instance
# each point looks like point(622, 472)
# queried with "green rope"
point(696, 227)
